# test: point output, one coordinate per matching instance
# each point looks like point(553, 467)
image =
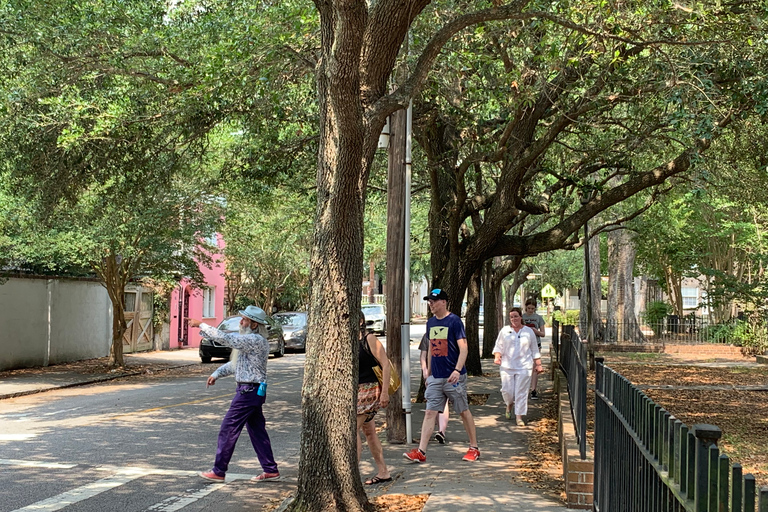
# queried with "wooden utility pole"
point(395, 263)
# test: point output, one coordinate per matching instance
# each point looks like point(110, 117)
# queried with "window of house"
point(690, 297)
point(129, 298)
point(209, 302)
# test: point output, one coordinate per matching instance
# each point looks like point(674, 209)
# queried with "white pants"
point(515, 385)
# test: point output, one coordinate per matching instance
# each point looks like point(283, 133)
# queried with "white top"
point(252, 361)
point(517, 349)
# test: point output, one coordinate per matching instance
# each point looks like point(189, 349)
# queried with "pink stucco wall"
point(214, 278)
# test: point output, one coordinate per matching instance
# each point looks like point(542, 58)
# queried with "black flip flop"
point(377, 480)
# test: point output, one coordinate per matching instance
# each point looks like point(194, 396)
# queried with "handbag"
point(394, 378)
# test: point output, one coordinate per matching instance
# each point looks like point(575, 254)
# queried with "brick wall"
point(578, 473)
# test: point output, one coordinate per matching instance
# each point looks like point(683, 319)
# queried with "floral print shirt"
point(252, 360)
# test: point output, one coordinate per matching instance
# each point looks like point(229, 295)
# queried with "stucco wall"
point(81, 321)
point(47, 321)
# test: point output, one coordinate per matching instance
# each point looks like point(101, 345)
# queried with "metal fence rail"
point(646, 460)
point(573, 361)
point(671, 329)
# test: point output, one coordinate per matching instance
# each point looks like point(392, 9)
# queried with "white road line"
point(79, 494)
point(190, 496)
point(36, 464)
point(16, 437)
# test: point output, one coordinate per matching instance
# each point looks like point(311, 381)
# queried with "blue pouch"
point(262, 391)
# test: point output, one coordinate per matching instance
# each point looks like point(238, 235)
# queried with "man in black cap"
point(445, 376)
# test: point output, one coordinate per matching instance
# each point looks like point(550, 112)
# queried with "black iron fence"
point(572, 357)
point(670, 329)
point(647, 460)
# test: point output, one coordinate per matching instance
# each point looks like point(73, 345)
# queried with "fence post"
point(706, 436)
point(737, 486)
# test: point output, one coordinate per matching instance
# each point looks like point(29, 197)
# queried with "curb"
point(93, 380)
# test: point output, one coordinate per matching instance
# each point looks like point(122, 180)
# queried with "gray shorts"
point(439, 391)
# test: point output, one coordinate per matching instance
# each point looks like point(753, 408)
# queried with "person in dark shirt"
point(446, 375)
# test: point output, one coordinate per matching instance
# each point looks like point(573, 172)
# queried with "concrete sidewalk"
point(454, 485)
point(488, 485)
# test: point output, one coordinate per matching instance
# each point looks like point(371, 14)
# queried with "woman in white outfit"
point(518, 354)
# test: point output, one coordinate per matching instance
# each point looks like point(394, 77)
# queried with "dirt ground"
point(741, 414)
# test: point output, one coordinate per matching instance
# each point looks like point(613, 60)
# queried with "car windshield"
point(230, 324)
point(291, 319)
point(373, 310)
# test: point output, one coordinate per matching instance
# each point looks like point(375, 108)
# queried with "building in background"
point(205, 302)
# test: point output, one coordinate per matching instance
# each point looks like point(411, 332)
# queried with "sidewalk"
point(28, 381)
point(488, 485)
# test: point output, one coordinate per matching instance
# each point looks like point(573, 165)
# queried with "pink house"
point(205, 302)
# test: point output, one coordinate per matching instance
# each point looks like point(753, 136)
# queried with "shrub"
point(655, 314)
point(570, 317)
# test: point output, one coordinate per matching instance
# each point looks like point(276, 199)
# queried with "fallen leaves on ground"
point(663, 375)
point(400, 502)
point(543, 469)
point(742, 415)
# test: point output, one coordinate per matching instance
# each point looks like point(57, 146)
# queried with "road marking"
point(190, 496)
point(16, 437)
point(79, 494)
point(36, 464)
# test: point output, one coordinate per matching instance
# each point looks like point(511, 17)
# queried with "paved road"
point(137, 444)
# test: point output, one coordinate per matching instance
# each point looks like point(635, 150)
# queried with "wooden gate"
point(138, 316)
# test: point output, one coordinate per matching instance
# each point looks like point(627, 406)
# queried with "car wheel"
point(205, 359)
point(280, 349)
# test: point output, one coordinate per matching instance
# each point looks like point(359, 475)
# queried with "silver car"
point(209, 349)
point(294, 329)
point(375, 318)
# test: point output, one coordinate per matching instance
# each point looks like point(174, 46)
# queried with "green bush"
point(655, 314)
point(752, 336)
point(570, 317)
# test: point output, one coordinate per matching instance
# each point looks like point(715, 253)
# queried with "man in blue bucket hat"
point(248, 363)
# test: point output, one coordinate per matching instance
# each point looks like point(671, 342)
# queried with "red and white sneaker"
point(415, 455)
point(472, 455)
point(210, 475)
point(266, 477)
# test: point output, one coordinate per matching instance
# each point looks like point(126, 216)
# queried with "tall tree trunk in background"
point(491, 307)
point(492, 294)
point(395, 267)
point(472, 327)
point(596, 288)
point(621, 322)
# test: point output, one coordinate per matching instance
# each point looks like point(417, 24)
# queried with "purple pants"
point(245, 410)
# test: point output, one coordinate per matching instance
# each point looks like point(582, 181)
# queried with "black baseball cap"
point(437, 294)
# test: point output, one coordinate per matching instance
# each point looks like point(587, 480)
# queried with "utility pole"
point(395, 297)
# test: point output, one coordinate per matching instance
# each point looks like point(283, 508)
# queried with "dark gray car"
point(209, 349)
point(294, 326)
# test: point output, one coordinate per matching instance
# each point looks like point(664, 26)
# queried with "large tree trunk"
point(474, 367)
point(621, 323)
point(329, 477)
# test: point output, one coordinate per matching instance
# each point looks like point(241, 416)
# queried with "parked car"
point(375, 318)
point(294, 329)
point(209, 349)
point(480, 312)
